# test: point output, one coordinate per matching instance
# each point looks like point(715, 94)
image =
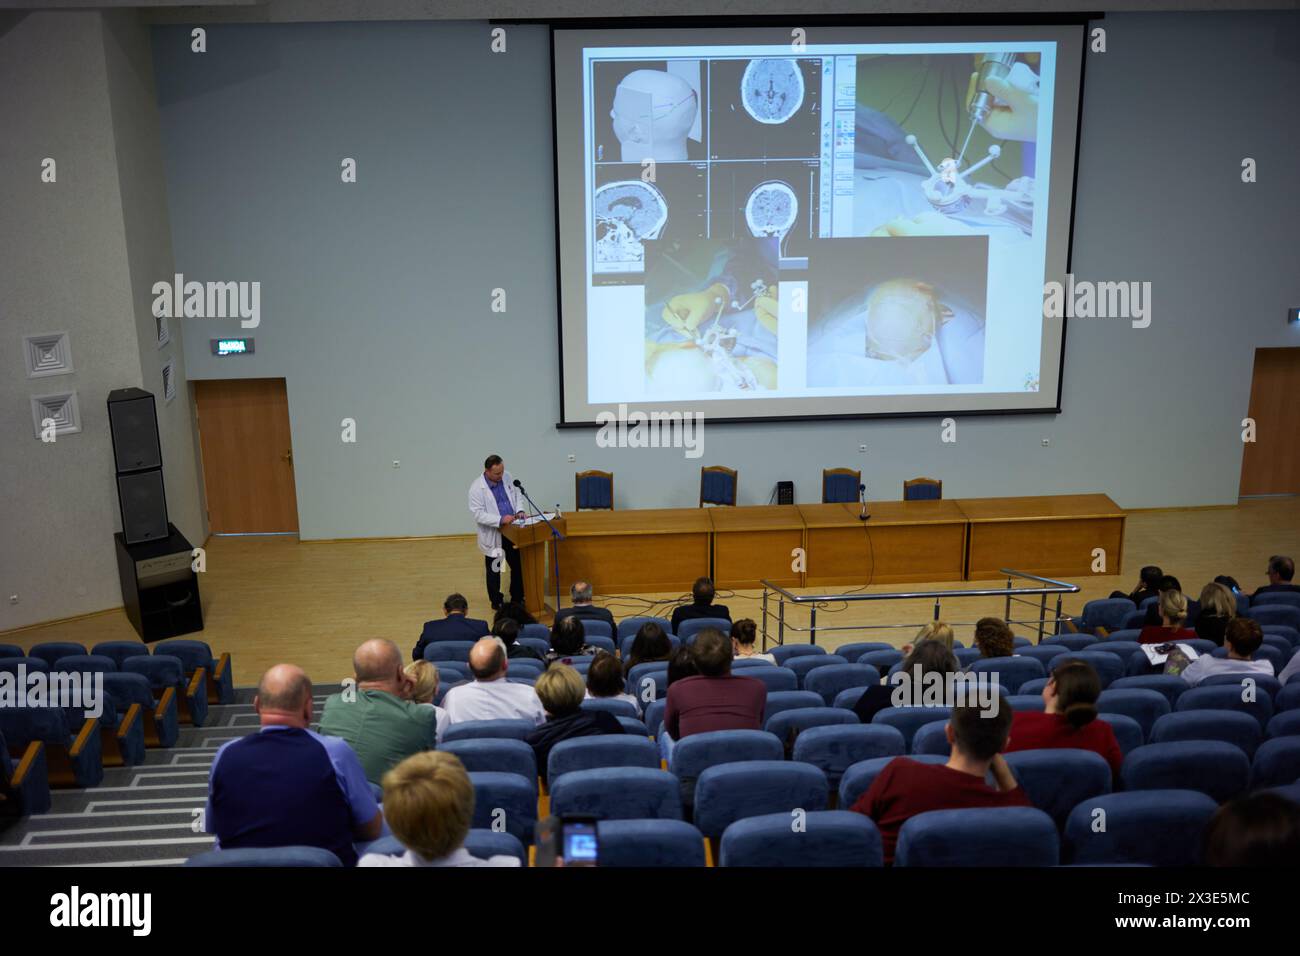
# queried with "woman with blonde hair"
point(1218, 607)
point(1173, 612)
point(933, 631)
point(425, 690)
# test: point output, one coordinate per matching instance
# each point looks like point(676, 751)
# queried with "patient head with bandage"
point(902, 317)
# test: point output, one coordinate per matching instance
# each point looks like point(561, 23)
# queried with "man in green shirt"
point(376, 717)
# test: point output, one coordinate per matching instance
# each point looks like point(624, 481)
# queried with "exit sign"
point(232, 346)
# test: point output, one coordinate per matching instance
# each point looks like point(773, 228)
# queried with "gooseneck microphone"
point(862, 497)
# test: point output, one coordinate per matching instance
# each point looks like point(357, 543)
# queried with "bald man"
point(490, 696)
point(377, 717)
point(288, 786)
point(583, 609)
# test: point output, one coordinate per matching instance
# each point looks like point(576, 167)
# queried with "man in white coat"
point(494, 501)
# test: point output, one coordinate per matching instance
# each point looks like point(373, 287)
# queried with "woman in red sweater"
point(1173, 612)
point(1069, 718)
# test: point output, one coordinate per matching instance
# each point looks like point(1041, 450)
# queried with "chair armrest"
point(132, 715)
point(223, 664)
point(197, 680)
point(88, 729)
point(164, 701)
point(25, 765)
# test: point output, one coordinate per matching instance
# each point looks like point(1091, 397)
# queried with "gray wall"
point(67, 266)
point(376, 295)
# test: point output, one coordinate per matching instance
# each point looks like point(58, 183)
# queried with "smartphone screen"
point(580, 844)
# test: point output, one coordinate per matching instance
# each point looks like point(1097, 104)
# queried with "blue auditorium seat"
point(1144, 706)
point(790, 724)
point(1283, 614)
point(1227, 698)
point(473, 729)
point(1057, 780)
point(449, 651)
point(1001, 836)
point(618, 793)
point(1043, 653)
point(1285, 724)
point(633, 725)
point(1277, 763)
point(830, 682)
point(605, 750)
point(1011, 672)
point(1109, 667)
point(932, 738)
point(828, 838)
point(774, 678)
point(1135, 827)
point(619, 708)
point(858, 778)
point(783, 652)
point(1074, 642)
point(494, 754)
point(11, 650)
point(280, 856)
point(1170, 686)
point(1232, 727)
point(855, 649)
point(1128, 732)
point(881, 660)
point(782, 700)
point(120, 650)
point(833, 749)
point(161, 720)
point(25, 778)
point(505, 799)
point(909, 720)
point(688, 629)
point(1212, 767)
point(647, 843)
point(733, 791)
point(648, 680)
point(218, 676)
point(1027, 702)
point(77, 747)
point(1108, 613)
point(694, 754)
point(804, 664)
point(51, 651)
point(630, 625)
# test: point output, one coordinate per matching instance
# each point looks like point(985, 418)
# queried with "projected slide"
point(850, 228)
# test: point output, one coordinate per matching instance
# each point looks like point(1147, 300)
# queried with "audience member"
point(424, 690)
point(377, 716)
point(605, 680)
point(287, 785)
point(681, 664)
point(930, 655)
point(1281, 571)
point(1218, 607)
point(561, 692)
point(1148, 585)
point(932, 631)
point(1172, 608)
point(1242, 637)
point(583, 608)
point(650, 644)
point(429, 806)
point(1171, 583)
point(1069, 717)
point(744, 636)
point(508, 630)
point(905, 787)
point(490, 696)
point(702, 605)
point(568, 640)
point(715, 698)
point(993, 637)
point(1262, 829)
point(455, 625)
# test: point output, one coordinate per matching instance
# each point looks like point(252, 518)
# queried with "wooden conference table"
point(827, 545)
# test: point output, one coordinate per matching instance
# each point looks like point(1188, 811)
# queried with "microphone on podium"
point(862, 497)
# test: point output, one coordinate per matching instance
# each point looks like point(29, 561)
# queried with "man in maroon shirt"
point(714, 699)
point(905, 788)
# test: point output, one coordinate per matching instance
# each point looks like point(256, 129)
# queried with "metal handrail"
point(1053, 586)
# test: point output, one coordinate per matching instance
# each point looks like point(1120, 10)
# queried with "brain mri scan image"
point(772, 90)
point(771, 210)
point(627, 213)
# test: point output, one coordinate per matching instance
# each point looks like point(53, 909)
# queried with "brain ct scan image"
point(772, 90)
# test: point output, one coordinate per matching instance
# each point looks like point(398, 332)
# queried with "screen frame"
point(1037, 20)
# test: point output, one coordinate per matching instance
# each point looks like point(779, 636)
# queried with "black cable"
point(925, 79)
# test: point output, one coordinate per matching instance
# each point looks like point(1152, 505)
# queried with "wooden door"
point(1270, 465)
point(247, 455)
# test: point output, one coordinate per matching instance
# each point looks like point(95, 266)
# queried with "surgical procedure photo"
point(711, 317)
point(912, 314)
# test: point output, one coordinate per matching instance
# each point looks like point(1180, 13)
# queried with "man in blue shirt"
point(494, 503)
point(286, 785)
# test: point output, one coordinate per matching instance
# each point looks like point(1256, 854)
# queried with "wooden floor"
point(268, 600)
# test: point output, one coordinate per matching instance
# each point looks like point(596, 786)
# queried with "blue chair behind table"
point(734, 791)
point(605, 750)
point(840, 485)
point(966, 656)
point(932, 739)
point(1227, 697)
point(593, 489)
point(480, 729)
point(119, 650)
point(1241, 730)
point(651, 676)
point(922, 489)
point(634, 725)
point(688, 629)
point(1144, 706)
point(718, 485)
point(1107, 613)
point(784, 652)
point(830, 682)
point(1012, 672)
point(278, 856)
point(448, 651)
point(1262, 683)
point(630, 625)
point(24, 777)
point(698, 752)
point(1074, 642)
point(165, 671)
point(774, 678)
point(806, 664)
point(159, 718)
point(494, 754)
point(505, 798)
point(1043, 653)
point(1056, 781)
point(783, 700)
point(1128, 732)
point(828, 838)
point(1276, 763)
point(834, 748)
point(51, 651)
point(1000, 836)
point(619, 708)
point(1027, 702)
point(908, 720)
point(1138, 828)
point(1212, 767)
point(1109, 667)
point(1283, 614)
point(618, 793)
point(1286, 724)
point(217, 672)
point(881, 660)
point(647, 843)
point(73, 751)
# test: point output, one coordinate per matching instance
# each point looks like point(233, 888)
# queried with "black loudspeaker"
point(785, 492)
point(133, 421)
point(144, 506)
point(160, 590)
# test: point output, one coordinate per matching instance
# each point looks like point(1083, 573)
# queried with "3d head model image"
point(653, 113)
point(627, 213)
point(772, 89)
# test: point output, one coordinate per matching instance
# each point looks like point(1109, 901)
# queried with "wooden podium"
point(531, 541)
